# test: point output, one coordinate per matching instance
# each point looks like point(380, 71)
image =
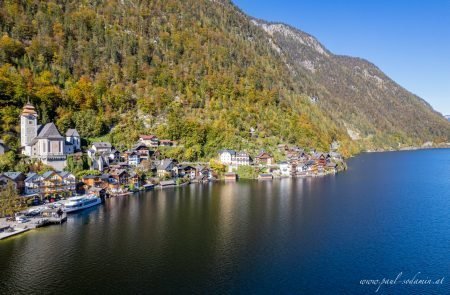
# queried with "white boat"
point(79, 203)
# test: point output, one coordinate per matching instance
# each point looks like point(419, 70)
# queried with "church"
point(44, 142)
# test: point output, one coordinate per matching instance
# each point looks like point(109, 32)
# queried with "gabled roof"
point(147, 137)
point(49, 131)
point(200, 168)
point(139, 145)
point(263, 154)
point(72, 132)
point(65, 174)
point(242, 154)
point(164, 164)
point(13, 175)
point(102, 144)
point(47, 174)
point(118, 172)
point(30, 176)
point(231, 152)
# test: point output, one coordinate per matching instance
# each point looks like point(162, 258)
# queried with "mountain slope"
point(200, 72)
point(355, 92)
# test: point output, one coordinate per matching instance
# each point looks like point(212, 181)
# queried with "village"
point(142, 167)
point(113, 172)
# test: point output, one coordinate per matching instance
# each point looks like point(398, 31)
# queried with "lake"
point(388, 215)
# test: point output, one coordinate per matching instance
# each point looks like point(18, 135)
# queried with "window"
point(30, 122)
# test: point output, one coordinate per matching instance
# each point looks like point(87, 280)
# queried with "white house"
point(226, 156)
point(285, 169)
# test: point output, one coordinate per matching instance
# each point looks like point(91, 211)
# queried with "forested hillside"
point(372, 107)
point(196, 71)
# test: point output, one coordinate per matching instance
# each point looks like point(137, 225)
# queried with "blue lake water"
point(389, 213)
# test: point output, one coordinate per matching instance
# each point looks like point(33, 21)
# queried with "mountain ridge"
point(199, 72)
point(310, 57)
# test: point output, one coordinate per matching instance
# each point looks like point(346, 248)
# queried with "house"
point(114, 156)
point(98, 191)
point(149, 140)
point(121, 176)
point(226, 156)
point(92, 180)
point(52, 183)
point(133, 158)
point(142, 150)
point(68, 180)
point(166, 142)
point(186, 170)
point(241, 159)
point(74, 139)
point(33, 184)
point(285, 169)
point(321, 159)
point(43, 142)
point(201, 172)
point(101, 147)
point(3, 147)
point(19, 180)
point(134, 179)
point(264, 158)
point(166, 168)
point(99, 162)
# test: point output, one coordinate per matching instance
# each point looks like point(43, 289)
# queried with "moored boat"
point(79, 203)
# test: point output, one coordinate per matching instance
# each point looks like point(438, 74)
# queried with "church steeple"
point(28, 127)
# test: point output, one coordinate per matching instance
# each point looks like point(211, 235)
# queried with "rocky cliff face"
point(354, 92)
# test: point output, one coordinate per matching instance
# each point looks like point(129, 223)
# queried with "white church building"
point(44, 142)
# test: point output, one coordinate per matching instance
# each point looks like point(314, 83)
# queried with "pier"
point(10, 228)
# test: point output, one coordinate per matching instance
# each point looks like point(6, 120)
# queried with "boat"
point(79, 203)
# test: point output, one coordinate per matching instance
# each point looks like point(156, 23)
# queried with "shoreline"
point(405, 149)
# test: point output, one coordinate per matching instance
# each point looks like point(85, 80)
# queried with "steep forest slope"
point(197, 71)
point(355, 92)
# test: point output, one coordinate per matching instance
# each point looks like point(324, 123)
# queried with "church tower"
point(28, 127)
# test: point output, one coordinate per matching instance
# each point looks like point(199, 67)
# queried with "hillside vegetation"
point(196, 71)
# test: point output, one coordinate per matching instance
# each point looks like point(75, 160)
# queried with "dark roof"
point(65, 174)
point(101, 144)
point(140, 145)
point(118, 172)
point(264, 154)
point(47, 174)
point(147, 137)
point(13, 175)
point(30, 176)
point(232, 152)
point(164, 164)
point(72, 132)
point(49, 131)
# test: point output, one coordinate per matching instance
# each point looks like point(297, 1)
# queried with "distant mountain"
point(447, 117)
point(372, 107)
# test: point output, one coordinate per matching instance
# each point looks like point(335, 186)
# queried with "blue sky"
point(408, 40)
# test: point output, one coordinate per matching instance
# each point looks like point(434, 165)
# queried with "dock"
point(12, 228)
